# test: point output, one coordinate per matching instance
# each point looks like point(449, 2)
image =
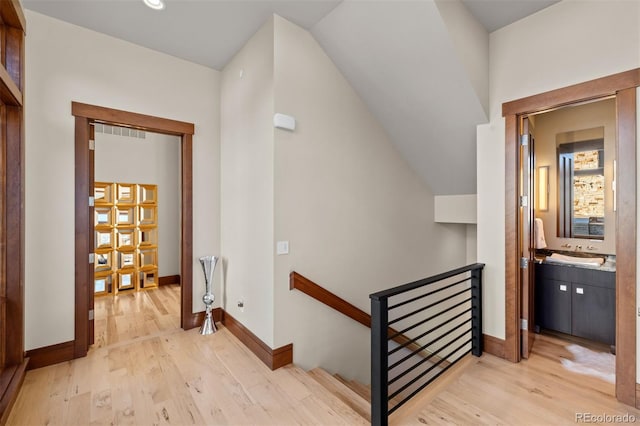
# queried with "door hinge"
point(524, 201)
point(91, 315)
point(524, 263)
point(524, 324)
point(524, 140)
point(92, 145)
point(91, 257)
point(91, 201)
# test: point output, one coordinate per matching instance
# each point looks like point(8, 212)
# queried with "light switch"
point(282, 247)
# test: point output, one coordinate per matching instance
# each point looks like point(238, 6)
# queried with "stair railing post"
point(476, 313)
point(379, 361)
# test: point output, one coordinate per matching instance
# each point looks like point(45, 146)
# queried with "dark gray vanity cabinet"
point(576, 301)
point(553, 304)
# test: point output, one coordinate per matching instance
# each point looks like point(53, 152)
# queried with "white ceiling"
point(495, 14)
point(397, 54)
point(209, 32)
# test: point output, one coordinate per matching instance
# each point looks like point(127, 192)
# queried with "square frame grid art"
point(126, 237)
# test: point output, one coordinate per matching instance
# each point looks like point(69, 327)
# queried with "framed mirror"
point(147, 194)
point(125, 216)
point(126, 260)
point(147, 215)
point(103, 193)
point(126, 239)
point(104, 239)
point(126, 280)
point(148, 257)
point(103, 261)
point(581, 184)
point(102, 284)
point(148, 278)
point(148, 236)
point(126, 193)
point(102, 216)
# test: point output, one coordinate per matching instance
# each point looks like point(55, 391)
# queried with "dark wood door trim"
point(626, 228)
point(144, 122)
point(623, 86)
point(84, 116)
point(512, 265)
point(186, 232)
point(593, 89)
point(83, 237)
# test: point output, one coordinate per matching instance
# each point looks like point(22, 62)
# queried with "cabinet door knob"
point(579, 290)
point(563, 287)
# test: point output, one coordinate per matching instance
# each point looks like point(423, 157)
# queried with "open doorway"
point(137, 229)
point(571, 279)
point(519, 294)
point(85, 116)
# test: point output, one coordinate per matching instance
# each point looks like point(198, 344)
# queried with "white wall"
point(154, 160)
point(456, 208)
point(471, 41)
point(567, 43)
point(472, 244)
point(67, 63)
point(247, 183)
point(356, 216)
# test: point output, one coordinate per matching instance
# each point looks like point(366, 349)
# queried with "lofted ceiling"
point(400, 56)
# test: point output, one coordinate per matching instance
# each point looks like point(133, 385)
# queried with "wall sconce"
point(543, 188)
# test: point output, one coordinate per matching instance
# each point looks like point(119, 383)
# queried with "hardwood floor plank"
point(537, 391)
point(145, 370)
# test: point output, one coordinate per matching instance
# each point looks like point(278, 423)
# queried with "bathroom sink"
point(574, 260)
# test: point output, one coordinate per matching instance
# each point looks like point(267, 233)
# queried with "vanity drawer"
point(589, 276)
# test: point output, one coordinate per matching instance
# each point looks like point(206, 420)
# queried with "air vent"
point(120, 131)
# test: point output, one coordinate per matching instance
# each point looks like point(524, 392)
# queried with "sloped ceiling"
point(207, 32)
point(405, 59)
point(400, 59)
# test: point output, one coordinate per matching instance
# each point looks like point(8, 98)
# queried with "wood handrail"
point(305, 285)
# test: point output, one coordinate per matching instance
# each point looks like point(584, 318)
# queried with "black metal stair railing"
point(418, 331)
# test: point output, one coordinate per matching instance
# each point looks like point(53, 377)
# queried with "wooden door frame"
point(623, 85)
point(85, 115)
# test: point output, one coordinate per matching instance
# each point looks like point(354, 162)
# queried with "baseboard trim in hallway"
point(197, 318)
point(493, 345)
point(49, 355)
point(272, 358)
point(168, 280)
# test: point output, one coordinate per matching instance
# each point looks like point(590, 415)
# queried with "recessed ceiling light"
point(154, 4)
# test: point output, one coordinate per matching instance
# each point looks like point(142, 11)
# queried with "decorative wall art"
point(126, 237)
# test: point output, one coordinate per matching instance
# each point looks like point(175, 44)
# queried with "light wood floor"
point(170, 376)
point(131, 315)
point(537, 391)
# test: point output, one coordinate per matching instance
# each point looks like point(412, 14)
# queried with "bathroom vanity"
point(576, 300)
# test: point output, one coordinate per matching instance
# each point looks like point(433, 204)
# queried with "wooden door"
point(92, 233)
point(527, 169)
